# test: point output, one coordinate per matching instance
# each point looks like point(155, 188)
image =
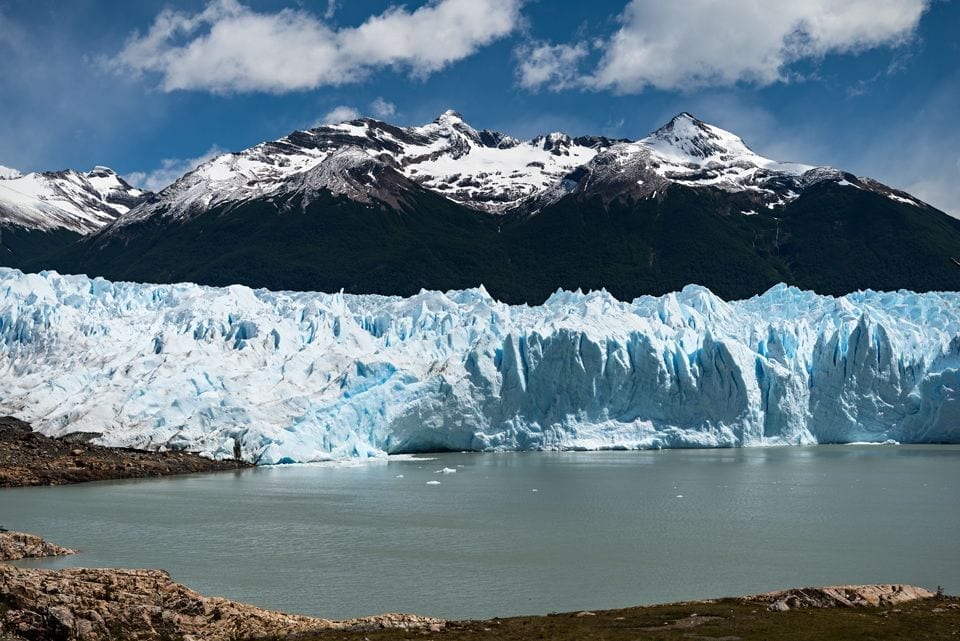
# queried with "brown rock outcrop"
point(20, 545)
point(842, 596)
point(147, 605)
point(30, 458)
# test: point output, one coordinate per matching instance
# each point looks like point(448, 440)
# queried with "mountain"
point(301, 376)
point(40, 212)
point(368, 207)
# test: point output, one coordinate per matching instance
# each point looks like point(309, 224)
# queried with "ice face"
point(308, 376)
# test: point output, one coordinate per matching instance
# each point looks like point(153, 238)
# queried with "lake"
point(521, 533)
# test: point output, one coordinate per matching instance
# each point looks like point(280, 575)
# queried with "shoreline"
point(30, 459)
point(85, 604)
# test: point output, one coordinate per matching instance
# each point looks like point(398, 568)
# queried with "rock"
point(81, 604)
point(20, 545)
point(841, 596)
point(30, 458)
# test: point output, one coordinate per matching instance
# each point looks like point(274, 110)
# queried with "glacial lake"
point(522, 533)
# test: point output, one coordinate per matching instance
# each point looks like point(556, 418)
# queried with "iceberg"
point(300, 376)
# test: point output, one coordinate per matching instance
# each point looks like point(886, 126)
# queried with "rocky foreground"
point(147, 605)
point(20, 545)
point(30, 458)
point(80, 604)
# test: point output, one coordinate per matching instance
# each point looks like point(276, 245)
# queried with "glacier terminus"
point(300, 376)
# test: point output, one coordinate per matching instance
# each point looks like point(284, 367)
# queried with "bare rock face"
point(20, 545)
point(842, 596)
point(147, 605)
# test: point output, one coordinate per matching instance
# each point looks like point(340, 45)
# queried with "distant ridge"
point(369, 207)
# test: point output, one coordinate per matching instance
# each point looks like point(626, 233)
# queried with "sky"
point(151, 88)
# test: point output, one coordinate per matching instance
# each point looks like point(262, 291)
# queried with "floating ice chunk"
point(433, 482)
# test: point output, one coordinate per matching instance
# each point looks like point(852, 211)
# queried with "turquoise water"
point(524, 532)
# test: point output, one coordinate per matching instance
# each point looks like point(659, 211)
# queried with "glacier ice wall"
point(308, 376)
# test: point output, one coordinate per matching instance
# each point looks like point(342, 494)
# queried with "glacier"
point(299, 376)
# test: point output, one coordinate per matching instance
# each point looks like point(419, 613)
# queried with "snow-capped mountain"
point(70, 200)
point(491, 171)
point(368, 207)
point(307, 376)
point(483, 170)
point(8, 172)
point(692, 153)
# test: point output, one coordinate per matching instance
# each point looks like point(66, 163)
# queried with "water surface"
point(523, 532)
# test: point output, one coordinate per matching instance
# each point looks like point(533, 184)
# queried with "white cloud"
point(698, 43)
point(553, 66)
point(332, 6)
point(701, 43)
point(335, 116)
point(383, 109)
point(170, 169)
point(229, 47)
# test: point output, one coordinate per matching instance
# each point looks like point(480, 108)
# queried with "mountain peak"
point(449, 116)
point(686, 135)
point(8, 172)
point(101, 172)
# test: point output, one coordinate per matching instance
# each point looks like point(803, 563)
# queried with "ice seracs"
point(308, 376)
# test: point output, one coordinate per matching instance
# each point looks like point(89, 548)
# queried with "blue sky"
point(149, 88)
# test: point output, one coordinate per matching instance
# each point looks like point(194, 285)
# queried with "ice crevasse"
point(300, 376)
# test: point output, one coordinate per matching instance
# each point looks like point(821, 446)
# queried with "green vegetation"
point(833, 239)
point(19, 245)
point(727, 619)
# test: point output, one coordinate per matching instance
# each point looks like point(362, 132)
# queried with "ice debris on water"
point(297, 377)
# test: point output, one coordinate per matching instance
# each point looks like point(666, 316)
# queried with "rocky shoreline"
point(81, 604)
point(28, 458)
point(20, 545)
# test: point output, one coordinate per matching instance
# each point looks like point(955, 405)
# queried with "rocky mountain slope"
point(70, 200)
point(489, 171)
point(43, 212)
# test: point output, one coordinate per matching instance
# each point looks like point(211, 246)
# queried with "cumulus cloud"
point(383, 109)
point(551, 66)
point(335, 116)
point(229, 47)
point(169, 170)
point(697, 43)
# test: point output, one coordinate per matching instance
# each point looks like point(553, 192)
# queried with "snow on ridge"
point(491, 171)
point(309, 376)
point(8, 172)
point(66, 199)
